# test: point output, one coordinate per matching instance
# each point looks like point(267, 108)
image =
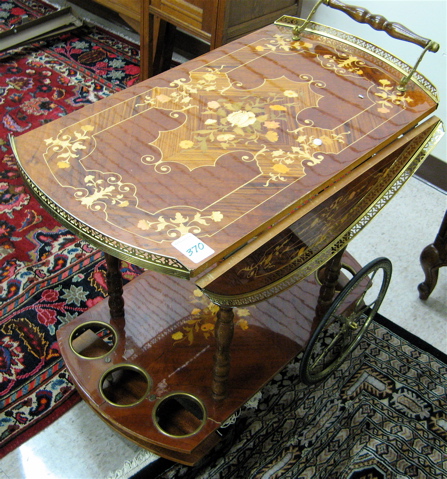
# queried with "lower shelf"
point(149, 375)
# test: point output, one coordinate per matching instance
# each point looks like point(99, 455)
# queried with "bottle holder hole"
point(93, 340)
point(125, 385)
point(179, 415)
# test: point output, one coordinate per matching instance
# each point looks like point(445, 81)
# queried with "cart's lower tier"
point(149, 375)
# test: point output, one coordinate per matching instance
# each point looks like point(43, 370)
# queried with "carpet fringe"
point(131, 467)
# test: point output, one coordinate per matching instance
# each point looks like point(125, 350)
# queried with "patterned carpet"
point(383, 414)
point(47, 275)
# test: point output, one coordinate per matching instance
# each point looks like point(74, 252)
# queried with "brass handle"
point(380, 23)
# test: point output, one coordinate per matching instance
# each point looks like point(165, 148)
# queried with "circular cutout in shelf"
point(93, 340)
point(125, 385)
point(179, 415)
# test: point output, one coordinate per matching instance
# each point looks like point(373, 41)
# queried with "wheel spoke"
point(362, 310)
point(334, 341)
point(361, 299)
point(346, 321)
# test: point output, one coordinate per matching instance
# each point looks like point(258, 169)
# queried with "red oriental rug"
point(47, 275)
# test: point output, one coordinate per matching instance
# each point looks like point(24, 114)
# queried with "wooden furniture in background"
point(216, 22)
point(128, 10)
point(433, 257)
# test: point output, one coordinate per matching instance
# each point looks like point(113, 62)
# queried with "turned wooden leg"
point(114, 281)
point(432, 258)
point(224, 334)
point(328, 285)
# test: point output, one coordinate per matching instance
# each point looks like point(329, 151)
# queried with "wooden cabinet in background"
point(214, 21)
point(221, 21)
point(128, 10)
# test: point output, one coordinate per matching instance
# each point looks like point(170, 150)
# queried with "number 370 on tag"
point(192, 247)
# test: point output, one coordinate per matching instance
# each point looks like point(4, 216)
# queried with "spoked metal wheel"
point(344, 324)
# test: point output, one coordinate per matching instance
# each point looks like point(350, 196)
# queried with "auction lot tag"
point(192, 247)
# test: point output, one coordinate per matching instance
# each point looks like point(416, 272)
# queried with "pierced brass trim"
point(365, 16)
point(319, 259)
point(90, 325)
point(289, 22)
point(298, 29)
point(123, 367)
point(118, 249)
point(187, 396)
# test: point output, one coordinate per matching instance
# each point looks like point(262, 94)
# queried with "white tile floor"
point(80, 446)
point(400, 231)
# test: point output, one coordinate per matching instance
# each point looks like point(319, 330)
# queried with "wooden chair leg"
point(224, 334)
point(165, 47)
point(156, 43)
point(433, 257)
point(146, 41)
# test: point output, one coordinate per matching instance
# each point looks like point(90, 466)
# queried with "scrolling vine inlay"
point(262, 131)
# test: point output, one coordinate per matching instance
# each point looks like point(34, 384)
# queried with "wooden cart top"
point(177, 172)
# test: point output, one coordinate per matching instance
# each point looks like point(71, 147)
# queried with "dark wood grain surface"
point(168, 334)
point(221, 147)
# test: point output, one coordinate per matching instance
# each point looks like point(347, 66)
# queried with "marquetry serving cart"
point(236, 180)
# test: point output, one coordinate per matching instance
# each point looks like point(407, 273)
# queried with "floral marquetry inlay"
point(181, 225)
point(112, 191)
point(203, 319)
point(388, 98)
point(220, 116)
point(222, 148)
point(68, 147)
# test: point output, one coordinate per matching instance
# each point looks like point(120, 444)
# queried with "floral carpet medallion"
point(47, 275)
